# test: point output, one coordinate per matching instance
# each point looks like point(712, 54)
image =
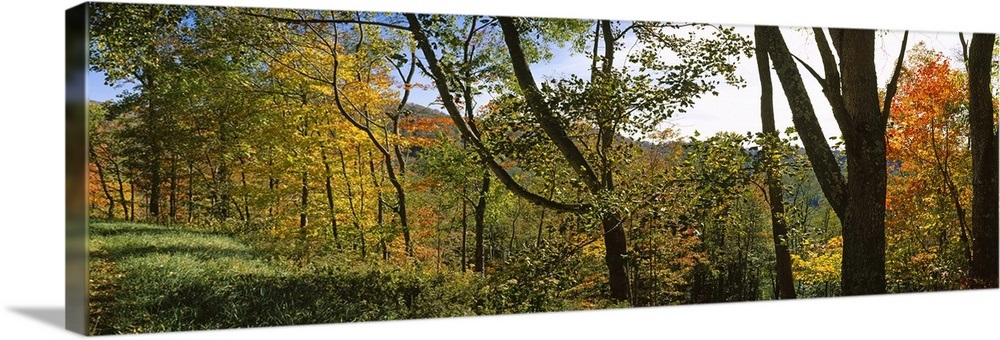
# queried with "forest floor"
point(153, 278)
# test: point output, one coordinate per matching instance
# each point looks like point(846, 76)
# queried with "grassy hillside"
point(151, 278)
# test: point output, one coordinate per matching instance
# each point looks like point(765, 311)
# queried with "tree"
point(853, 93)
point(135, 43)
point(606, 113)
point(982, 117)
point(775, 191)
point(928, 192)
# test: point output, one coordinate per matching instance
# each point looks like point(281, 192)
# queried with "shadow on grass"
point(260, 301)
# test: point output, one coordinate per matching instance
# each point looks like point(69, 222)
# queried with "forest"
point(265, 167)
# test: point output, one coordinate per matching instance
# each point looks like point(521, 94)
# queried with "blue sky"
point(98, 91)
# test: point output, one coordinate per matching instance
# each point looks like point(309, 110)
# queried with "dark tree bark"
point(131, 192)
point(984, 163)
point(775, 191)
point(863, 266)
point(121, 190)
point(272, 183)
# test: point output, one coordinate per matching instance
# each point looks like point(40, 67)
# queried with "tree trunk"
point(304, 201)
point(355, 219)
point(383, 150)
point(615, 256)
point(121, 189)
point(190, 193)
point(104, 185)
point(465, 229)
point(220, 204)
point(173, 190)
point(131, 192)
point(984, 163)
point(860, 203)
point(775, 191)
point(614, 235)
point(329, 198)
point(154, 189)
point(480, 216)
point(863, 266)
point(272, 183)
point(818, 150)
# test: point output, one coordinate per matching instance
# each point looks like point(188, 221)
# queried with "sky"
point(734, 109)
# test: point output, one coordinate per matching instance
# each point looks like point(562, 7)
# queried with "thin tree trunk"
point(131, 192)
point(172, 199)
point(304, 202)
point(818, 150)
point(386, 155)
point(380, 199)
point(329, 198)
point(465, 228)
point(154, 190)
point(614, 235)
point(190, 192)
point(121, 189)
point(513, 225)
point(222, 187)
point(272, 183)
point(104, 186)
point(775, 191)
point(480, 216)
point(984, 163)
point(246, 191)
point(350, 203)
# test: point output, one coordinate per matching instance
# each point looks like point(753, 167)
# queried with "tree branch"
point(832, 89)
point(549, 122)
point(822, 82)
point(890, 88)
point(818, 150)
point(440, 81)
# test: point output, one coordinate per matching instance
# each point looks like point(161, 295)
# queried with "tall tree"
point(982, 119)
point(775, 190)
point(136, 43)
point(929, 187)
point(853, 93)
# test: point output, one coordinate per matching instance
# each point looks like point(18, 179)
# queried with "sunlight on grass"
point(148, 278)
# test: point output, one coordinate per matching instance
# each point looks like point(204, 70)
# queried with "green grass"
point(150, 278)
